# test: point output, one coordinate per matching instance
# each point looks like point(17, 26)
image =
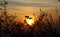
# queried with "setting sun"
point(30, 21)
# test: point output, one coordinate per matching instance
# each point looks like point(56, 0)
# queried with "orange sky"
point(24, 8)
point(22, 11)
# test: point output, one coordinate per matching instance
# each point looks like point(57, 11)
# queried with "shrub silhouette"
point(43, 27)
point(47, 28)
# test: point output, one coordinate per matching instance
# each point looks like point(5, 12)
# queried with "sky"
point(29, 7)
point(33, 2)
point(37, 3)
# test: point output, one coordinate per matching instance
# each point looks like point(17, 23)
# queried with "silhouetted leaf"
point(6, 2)
point(58, 0)
point(27, 17)
point(30, 18)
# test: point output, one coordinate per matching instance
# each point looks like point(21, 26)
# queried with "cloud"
point(34, 0)
point(36, 4)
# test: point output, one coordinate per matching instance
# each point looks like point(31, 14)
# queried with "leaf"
point(58, 0)
point(6, 2)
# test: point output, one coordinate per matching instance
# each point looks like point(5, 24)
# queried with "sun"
point(30, 21)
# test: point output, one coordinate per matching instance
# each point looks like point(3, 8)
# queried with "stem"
point(5, 13)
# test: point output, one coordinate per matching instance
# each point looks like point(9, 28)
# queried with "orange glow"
point(30, 21)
